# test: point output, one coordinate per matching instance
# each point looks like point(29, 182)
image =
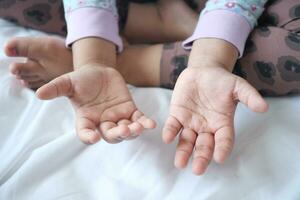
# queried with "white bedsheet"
point(41, 157)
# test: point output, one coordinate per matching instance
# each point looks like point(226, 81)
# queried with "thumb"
point(250, 97)
point(60, 86)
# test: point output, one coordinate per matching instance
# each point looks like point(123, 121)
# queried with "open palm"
point(202, 113)
point(103, 104)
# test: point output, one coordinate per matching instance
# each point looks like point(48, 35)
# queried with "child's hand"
point(202, 113)
point(99, 94)
point(102, 104)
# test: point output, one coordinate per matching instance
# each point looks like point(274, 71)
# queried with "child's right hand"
point(203, 105)
point(102, 104)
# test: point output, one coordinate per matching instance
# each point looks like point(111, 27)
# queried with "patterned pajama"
point(45, 15)
point(271, 62)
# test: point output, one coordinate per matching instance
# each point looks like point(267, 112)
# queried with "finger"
point(224, 139)
point(86, 130)
point(250, 97)
point(114, 133)
point(171, 129)
point(136, 115)
point(105, 126)
point(184, 148)
point(135, 128)
point(124, 121)
point(203, 152)
point(146, 122)
point(61, 86)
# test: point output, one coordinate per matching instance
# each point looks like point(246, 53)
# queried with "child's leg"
point(272, 58)
point(166, 20)
point(273, 70)
point(46, 16)
point(31, 72)
point(47, 58)
point(174, 58)
point(157, 65)
point(151, 22)
point(160, 65)
point(272, 62)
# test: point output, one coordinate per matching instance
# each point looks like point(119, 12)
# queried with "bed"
point(41, 157)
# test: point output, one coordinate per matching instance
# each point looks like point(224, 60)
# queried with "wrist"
point(94, 65)
point(99, 63)
point(203, 62)
point(93, 51)
point(213, 52)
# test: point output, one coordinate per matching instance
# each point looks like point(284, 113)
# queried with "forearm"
point(92, 50)
point(207, 51)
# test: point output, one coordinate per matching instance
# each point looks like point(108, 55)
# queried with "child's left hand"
point(103, 104)
point(202, 113)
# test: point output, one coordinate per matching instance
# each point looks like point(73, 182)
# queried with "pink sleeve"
point(222, 24)
point(93, 22)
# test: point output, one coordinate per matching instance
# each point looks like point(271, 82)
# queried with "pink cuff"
point(221, 24)
point(93, 22)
